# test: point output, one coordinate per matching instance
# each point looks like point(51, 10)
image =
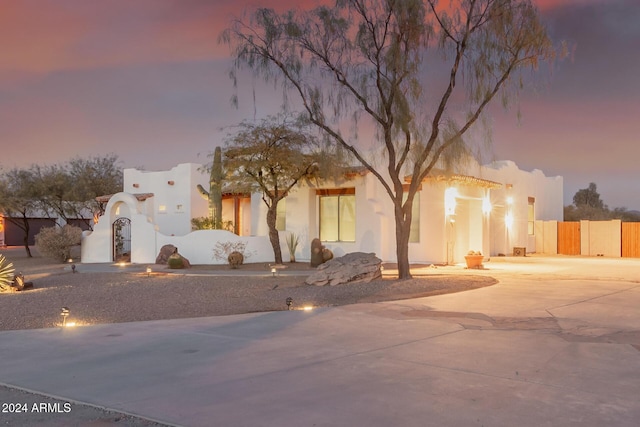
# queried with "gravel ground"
point(95, 298)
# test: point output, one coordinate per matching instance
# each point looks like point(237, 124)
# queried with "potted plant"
point(474, 259)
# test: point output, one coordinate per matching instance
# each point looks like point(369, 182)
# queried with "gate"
point(121, 232)
point(631, 239)
point(569, 238)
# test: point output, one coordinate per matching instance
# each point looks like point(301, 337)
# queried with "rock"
point(236, 259)
point(165, 252)
point(326, 255)
point(316, 252)
point(355, 267)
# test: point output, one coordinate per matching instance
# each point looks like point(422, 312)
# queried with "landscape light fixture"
point(148, 271)
point(65, 313)
point(289, 302)
point(273, 271)
point(73, 268)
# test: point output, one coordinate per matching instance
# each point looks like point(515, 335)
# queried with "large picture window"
point(414, 235)
point(337, 215)
point(281, 215)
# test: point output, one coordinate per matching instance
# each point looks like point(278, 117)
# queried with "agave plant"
point(6, 274)
point(292, 244)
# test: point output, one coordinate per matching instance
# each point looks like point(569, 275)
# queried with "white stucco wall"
point(97, 245)
point(548, 194)
point(443, 238)
point(176, 199)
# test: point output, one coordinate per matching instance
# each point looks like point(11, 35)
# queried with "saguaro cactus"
point(214, 195)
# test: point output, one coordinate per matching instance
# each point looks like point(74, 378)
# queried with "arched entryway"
point(121, 232)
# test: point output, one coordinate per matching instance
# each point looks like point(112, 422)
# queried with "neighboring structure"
point(491, 208)
point(12, 235)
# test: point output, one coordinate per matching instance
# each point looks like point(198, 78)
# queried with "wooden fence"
point(569, 238)
point(589, 238)
point(631, 239)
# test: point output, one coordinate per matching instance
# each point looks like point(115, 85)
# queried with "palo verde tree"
point(19, 200)
point(65, 191)
point(272, 157)
point(69, 190)
point(419, 72)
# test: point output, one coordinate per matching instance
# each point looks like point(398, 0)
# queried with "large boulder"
point(317, 257)
point(355, 267)
point(165, 252)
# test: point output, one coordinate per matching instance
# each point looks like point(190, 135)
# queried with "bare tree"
point(421, 73)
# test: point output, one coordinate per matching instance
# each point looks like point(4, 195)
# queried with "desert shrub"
point(206, 223)
point(223, 251)
point(56, 242)
point(6, 274)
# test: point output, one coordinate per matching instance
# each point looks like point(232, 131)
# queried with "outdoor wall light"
point(509, 200)
point(450, 195)
point(486, 205)
point(289, 302)
point(64, 312)
point(508, 219)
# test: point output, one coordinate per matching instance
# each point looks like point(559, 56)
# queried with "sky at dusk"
point(148, 81)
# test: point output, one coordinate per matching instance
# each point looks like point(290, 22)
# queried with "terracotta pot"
point(474, 261)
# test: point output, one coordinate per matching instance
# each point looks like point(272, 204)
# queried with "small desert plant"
point(472, 253)
point(224, 250)
point(56, 242)
point(292, 243)
point(206, 223)
point(175, 261)
point(6, 274)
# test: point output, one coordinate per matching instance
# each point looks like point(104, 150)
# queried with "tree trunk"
point(273, 232)
point(403, 229)
point(25, 239)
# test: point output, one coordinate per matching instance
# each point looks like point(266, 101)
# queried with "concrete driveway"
point(555, 343)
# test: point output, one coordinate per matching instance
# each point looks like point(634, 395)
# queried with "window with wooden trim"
point(337, 215)
point(531, 216)
point(281, 215)
point(414, 235)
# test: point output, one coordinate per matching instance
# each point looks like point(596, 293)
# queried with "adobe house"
point(491, 208)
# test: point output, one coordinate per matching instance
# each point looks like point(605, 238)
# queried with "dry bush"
point(56, 242)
